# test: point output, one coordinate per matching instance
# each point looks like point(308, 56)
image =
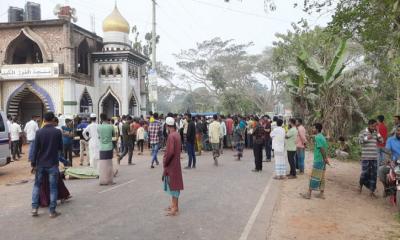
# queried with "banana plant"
point(316, 74)
point(325, 90)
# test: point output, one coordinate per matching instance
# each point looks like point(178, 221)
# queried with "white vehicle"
point(4, 141)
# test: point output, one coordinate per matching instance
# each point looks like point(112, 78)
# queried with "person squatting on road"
point(48, 145)
point(172, 174)
point(317, 180)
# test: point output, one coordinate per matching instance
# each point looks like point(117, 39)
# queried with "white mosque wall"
point(111, 40)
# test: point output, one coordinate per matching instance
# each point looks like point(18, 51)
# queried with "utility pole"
point(153, 37)
point(153, 83)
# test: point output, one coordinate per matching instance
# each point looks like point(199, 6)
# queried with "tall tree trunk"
point(398, 97)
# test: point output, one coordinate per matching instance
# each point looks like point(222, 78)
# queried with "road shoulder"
point(344, 214)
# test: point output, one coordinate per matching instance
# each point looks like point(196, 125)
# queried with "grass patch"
point(397, 217)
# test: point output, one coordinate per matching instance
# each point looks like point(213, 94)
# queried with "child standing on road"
point(140, 138)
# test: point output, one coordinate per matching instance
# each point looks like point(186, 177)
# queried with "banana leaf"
point(337, 65)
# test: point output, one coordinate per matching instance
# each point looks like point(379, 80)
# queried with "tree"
point(375, 24)
point(223, 69)
point(326, 85)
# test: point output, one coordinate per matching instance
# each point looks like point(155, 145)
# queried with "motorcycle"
point(393, 180)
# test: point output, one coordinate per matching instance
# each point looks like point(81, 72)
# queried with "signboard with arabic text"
point(29, 71)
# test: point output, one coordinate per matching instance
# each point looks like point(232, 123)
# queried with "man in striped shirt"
point(154, 137)
point(368, 139)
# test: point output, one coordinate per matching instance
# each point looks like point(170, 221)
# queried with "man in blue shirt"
point(48, 144)
point(68, 135)
point(83, 143)
point(393, 146)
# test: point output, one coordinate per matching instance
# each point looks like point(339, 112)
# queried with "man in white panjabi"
point(90, 134)
point(278, 144)
point(30, 129)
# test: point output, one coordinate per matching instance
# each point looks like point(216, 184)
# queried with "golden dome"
point(115, 22)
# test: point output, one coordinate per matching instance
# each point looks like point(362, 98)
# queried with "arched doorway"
point(25, 105)
point(22, 50)
point(29, 100)
point(109, 105)
point(85, 104)
point(133, 106)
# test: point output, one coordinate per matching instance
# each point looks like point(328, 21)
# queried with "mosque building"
point(55, 65)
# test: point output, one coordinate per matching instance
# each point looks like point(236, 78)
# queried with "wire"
point(240, 11)
point(174, 40)
point(192, 17)
point(185, 33)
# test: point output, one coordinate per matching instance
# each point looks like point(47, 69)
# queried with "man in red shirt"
point(229, 131)
point(382, 130)
point(133, 128)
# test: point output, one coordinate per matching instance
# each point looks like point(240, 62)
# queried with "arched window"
point(130, 71)
point(23, 50)
point(110, 71)
point(117, 71)
point(83, 58)
point(135, 72)
point(103, 71)
point(133, 106)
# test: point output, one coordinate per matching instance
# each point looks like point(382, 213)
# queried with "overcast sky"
point(182, 23)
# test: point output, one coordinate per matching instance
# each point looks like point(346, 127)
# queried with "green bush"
point(354, 146)
point(355, 149)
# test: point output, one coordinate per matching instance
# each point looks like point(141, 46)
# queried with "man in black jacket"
point(48, 145)
point(190, 140)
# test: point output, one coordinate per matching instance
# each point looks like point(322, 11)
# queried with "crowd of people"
point(380, 150)
point(111, 139)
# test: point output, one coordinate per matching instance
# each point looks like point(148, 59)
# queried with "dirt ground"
point(16, 171)
point(344, 214)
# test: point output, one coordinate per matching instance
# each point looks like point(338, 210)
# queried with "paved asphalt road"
point(224, 202)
